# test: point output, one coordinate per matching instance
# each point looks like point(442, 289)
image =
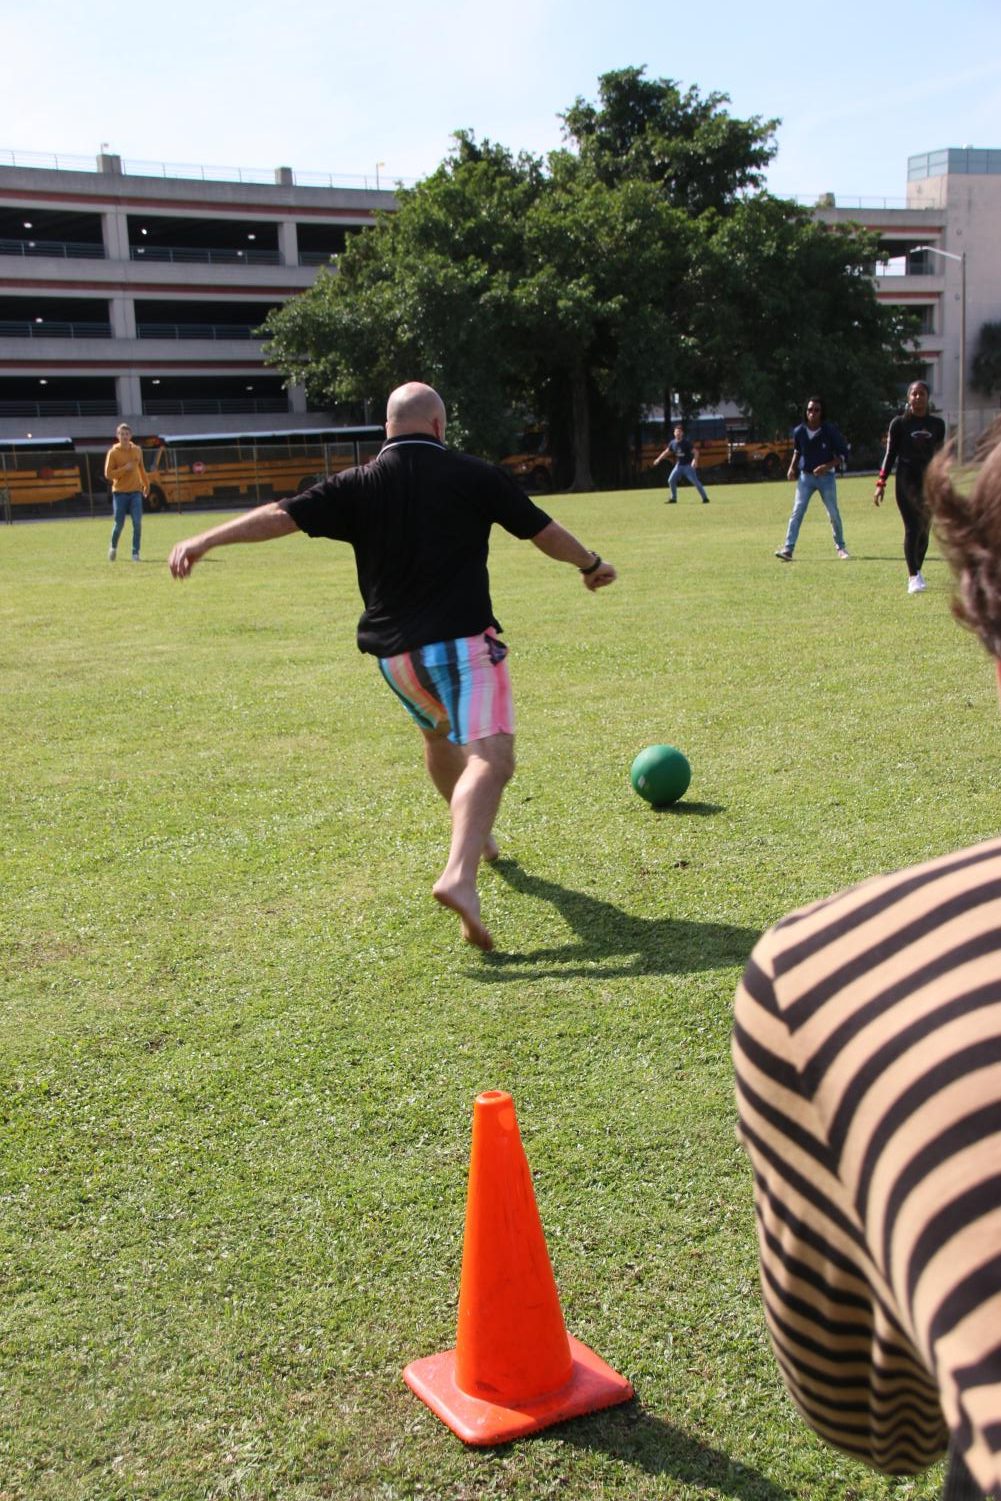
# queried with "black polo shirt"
point(418, 518)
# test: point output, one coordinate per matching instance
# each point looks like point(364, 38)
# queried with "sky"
point(362, 91)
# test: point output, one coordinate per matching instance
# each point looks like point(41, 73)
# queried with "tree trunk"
point(582, 479)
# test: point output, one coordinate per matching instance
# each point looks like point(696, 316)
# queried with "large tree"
point(511, 288)
point(637, 261)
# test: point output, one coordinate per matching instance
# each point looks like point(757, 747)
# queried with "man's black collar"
point(413, 438)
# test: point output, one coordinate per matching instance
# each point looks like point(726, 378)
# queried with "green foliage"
point(425, 294)
point(240, 1041)
point(594, 255)
point(801, 291)
point(647, 130)
point(639, 264)
point(986, 367)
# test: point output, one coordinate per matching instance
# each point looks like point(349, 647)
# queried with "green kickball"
point(661, 774)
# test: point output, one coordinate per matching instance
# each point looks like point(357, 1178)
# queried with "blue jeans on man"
point(826, 487)
point(691, 474)
point(127, 503)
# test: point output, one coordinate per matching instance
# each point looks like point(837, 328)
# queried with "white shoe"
point(842, 554)
point(915, 584)
point(112, 553)
point(921, 580)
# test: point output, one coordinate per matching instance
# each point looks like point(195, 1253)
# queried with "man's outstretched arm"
point(562, 546)
point(260, 525)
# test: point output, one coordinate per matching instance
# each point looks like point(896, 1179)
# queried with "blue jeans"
point(688, 472)
point(128, 503)
point(827, 488)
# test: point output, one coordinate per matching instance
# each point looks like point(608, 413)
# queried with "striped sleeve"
point(867, 1050)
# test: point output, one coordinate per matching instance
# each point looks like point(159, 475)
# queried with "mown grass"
point(240, 1042)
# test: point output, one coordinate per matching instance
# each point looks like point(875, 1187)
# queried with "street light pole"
point(950, 255)
point(962, 354)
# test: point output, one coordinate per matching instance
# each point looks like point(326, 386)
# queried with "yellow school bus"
point(249, 468)
point(721, 443)
point(707, 435)
point(531, 463)
point(38, 472)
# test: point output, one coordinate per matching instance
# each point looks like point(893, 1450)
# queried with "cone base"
point(592, 1386)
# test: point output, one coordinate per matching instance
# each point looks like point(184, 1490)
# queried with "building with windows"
point(939, 257)
point(130, 296)
point(126, 296)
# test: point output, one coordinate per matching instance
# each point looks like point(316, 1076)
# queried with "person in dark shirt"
point(913, 438)
point(819, 451)
point(686, 465)
point(418, 519)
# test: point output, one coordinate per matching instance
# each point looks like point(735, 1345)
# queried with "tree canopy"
point(639, 263)
point(647, 130)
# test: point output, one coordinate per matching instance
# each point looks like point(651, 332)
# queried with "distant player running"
point(914, 437)
point(418, 518)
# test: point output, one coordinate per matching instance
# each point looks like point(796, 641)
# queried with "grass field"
point(240, 1042)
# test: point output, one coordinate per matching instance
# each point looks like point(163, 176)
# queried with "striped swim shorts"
point(461, 686)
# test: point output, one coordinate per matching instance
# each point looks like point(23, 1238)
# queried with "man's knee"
point(496, 754)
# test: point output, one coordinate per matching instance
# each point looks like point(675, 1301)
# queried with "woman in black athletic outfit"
point(913, 437)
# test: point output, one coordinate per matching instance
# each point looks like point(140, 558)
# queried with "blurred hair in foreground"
point(968, 526)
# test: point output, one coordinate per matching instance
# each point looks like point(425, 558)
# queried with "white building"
point(126, 296)
point(953, 205)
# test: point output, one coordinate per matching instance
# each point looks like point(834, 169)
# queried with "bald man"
point(418, 519)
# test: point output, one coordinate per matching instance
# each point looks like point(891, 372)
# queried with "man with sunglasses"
point(819, 451)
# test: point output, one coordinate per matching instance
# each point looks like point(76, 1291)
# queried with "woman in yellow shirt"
point(125, 469)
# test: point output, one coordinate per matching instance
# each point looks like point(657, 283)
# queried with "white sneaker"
point(842, 554)
point(915, 584)
point(135, 557)
point(921, 580)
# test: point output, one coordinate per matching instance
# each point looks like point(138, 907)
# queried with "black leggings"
point(917, 525)
point(959, 1483)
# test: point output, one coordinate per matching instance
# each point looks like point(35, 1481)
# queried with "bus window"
point(40, 473)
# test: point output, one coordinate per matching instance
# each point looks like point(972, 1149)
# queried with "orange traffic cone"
point(514, 1369)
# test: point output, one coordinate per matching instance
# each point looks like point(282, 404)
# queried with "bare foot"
point(491, 851)
point(468, 909)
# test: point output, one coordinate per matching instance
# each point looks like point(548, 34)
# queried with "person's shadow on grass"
point(637, 1438)
point(649, 945)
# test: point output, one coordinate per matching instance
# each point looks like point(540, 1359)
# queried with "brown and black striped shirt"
point(867, 1047)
